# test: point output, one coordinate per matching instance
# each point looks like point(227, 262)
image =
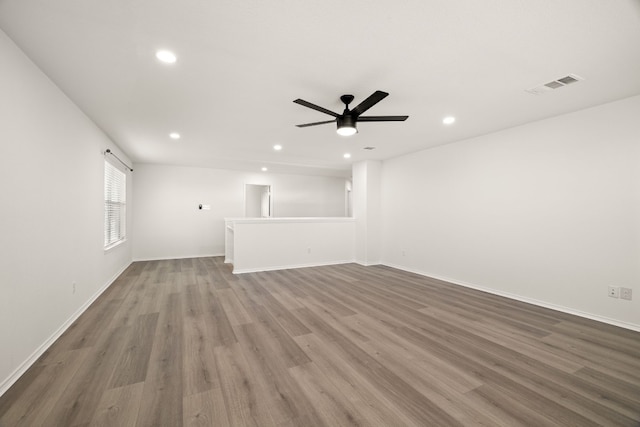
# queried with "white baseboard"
point(177, 257)
point(563, 309)
point(24, 366)
point(367, 264)
point(288, 267)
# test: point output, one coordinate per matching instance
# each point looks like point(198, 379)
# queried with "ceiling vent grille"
point(555, 84)
point(369, 148)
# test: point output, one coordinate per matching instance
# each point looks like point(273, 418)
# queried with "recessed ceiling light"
point(277, 147)
point(347, 156)
point(166, 56)
point(448, 120)
point(174, 135)
point(264, 169)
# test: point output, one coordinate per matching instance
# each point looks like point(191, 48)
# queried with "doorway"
point(257, 201)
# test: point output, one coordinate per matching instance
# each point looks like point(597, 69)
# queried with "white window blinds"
point(115, 185)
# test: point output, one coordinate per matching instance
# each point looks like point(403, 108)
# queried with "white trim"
point(288, 267)
point(24, 366)
point(290, 220)
point(563, 309)
point(369, 264)
point(177, 257)
point(115, 244)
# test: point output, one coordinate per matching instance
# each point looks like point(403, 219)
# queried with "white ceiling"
point(242, 63)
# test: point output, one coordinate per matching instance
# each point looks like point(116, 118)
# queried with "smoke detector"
point(555, 84)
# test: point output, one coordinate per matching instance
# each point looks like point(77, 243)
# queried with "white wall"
point(548, 211)
point(52, 189)
point(366, 210)
point(280, 243)
point(168, 224)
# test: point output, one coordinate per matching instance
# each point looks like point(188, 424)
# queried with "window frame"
point(115, 206)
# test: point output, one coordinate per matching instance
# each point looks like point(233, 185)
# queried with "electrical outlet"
point(614, 291)
point(308, 250)
point(73, 291)
point(626, 293)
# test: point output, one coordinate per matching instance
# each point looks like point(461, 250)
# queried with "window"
point(115, 185)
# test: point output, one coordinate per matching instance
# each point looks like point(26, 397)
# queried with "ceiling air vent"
point(569, 79)
point(555, 84)
point(369, 148)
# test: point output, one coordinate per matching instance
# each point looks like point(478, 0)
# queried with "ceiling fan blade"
point(382, 118)
point(372, 100)
point(315, 107)
point(315, 124)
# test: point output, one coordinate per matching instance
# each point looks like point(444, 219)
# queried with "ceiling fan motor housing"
point(346, 121)
point(346, 124)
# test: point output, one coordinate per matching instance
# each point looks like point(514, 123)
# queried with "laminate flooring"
point(187, 343)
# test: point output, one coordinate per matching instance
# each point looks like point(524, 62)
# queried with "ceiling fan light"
point(347, 131)
point(346, 126)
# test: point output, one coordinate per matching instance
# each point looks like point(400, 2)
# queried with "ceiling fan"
point(348, 119)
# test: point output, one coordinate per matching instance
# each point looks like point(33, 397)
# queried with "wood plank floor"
point(187, 343)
